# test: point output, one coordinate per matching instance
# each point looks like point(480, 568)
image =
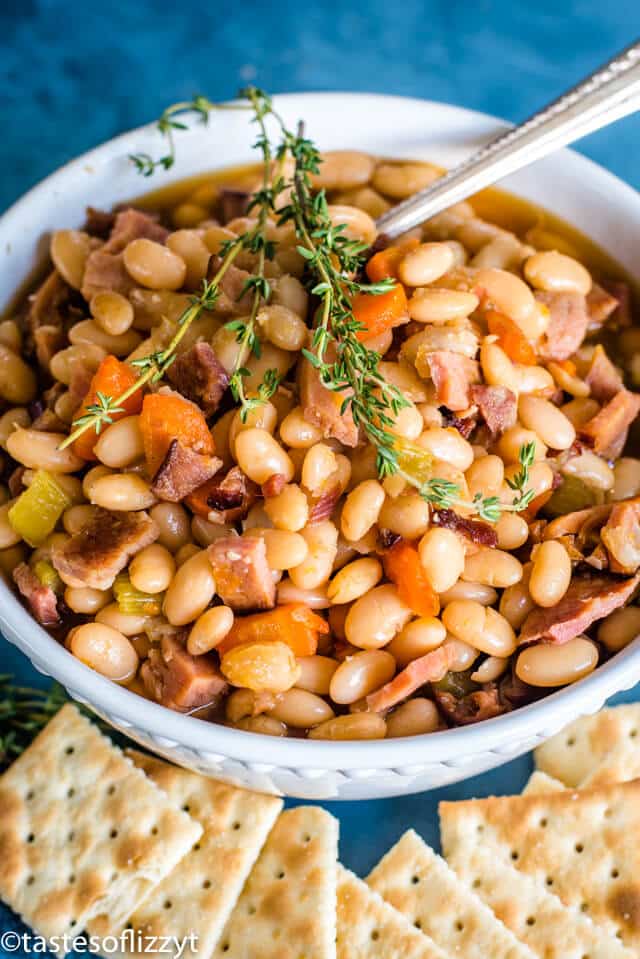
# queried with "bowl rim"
point(450, 746)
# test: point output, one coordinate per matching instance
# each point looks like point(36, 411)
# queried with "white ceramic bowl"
point(568, 184)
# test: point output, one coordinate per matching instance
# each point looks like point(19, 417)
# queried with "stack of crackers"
point(112, 844)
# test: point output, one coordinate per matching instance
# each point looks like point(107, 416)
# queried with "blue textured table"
point(72, 75)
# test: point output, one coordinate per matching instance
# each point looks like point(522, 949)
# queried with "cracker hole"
point(31, 837)
point(167, 904)
point(74, 922)
point(30, 795)
point(615, 873)
point(608, 813)
point(111, 790)
point(186, 807)
point(375, 935)
point(72, 879)
point(71, 836)
point(515, 855)
point(571, 741)
point(225, 947)
point(280, 874)
point(236, 826)
point(480, 827)
point(579, 847)
point(584, 907)
point(69, 751)
point(154, 830)
point(113, 834)
point(197, 847)
point(415, 880)
point(306, 837)
point(418, 924)
point(619, 934)
point(251, 910)
point(31, 880)
point(544, 823)
point(71, 793)
point(531, 920)
point(114, 876)
point(549, 880)
point(206, 884)
point(477, 883)
point(633, 734)
point(459, 926)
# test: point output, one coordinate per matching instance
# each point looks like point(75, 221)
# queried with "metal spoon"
point(610, 93)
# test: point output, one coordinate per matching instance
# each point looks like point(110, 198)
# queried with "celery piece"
point(570, 496)
point(36, 511)
point(48, 576)
point(132, 601)
point(413, 460)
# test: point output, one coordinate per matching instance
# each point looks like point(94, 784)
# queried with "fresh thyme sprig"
point(444, 494)
point(168, 124)
point(23, 713)
point(100, 413)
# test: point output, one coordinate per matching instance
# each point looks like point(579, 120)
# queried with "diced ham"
point(600, 305)
point(430, 668)
point(322, 506)
point(621, 536)
point(498, 407)
point(603, 377)
point(242, 574)
point(234, 297)
point(180, 681)
point(199, 375)
point(95, 555)
point(322, 407)
point(182, 471)
point(99, 222)
point(233, 203)
point(227, 498)
point(452, 375)
point(274, 485)
point(42, 599)
point(473, 529)
point(622, 317)
point(607, 431)
point(105, 269)
point(567, 327)
point(48, 340)
point(476, 706)
point(131, 224)
point(587, 600)
point(573, 523)
point(105, 272)
point(45, 305)
point(465, 425)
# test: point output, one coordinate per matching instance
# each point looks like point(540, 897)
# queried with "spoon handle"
point(610, 93)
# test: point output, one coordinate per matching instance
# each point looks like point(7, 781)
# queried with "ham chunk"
point(600, 305)
point(603, 377)
point(105, 272)
point(182, 471)
point(430, 668)
point(473, 708)
point(242, 574)
point(199, 376)
point(180, 681)
point(41, 599)
point(233, 203)
point(452, 375)
point(587, 600)
point(234, 297)
point(131, 225)
point(498, 407)
point(94, 556)
point(322, 407)
point(567, 326)
point(46, 305)
point(621, 536)
point(226, 499)
point(475, 530)
point(105, 269)
point(607, 431)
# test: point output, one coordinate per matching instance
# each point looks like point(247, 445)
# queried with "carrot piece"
point(511, 338)
point(380, 312)
point(568, 366)
point(169, 416)
point(293, 624)
point(385, 263)
point(111, 378)
point(403, 567)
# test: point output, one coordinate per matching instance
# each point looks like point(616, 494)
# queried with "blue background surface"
point(75, 74)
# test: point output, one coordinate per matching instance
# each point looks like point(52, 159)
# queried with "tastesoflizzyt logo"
point(129, 941)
